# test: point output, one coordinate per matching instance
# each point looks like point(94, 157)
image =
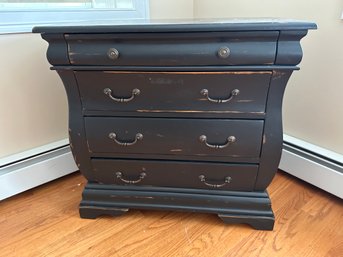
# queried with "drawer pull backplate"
point(119, 175)
point(135, 92)
point(226, 181)
point(113, 54)
point(113, 136)
point(233, 93)
point(229, 141)
point(224, 52)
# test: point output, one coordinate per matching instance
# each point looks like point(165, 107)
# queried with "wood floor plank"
point(45, 222)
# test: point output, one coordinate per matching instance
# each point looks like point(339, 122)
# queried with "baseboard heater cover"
point(315, 165)
point(31, 171)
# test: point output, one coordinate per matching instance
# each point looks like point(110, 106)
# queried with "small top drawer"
point(173, 49)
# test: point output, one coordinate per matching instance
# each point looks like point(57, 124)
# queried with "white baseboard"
point(313, 164)
point(18, 175)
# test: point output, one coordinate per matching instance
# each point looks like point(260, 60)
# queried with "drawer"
point(181, 92)
point(173, 49)
point(199, 175)
point(201, 137)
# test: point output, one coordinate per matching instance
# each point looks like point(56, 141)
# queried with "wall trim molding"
point(7, 160)
point(313, 164)
point(24, 174)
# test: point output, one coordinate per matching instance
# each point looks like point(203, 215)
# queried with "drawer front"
point(170, 49)
point(201, 137)
point(182, 92)
point(176, 174)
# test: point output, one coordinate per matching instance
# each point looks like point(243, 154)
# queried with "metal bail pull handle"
point(135, 92)
point(229, 141)
point(227, 180)
point(233, 93)
point(113, 136)
point(119, 175)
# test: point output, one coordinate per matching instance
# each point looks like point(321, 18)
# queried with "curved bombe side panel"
point(273, 134)
point(289, 52)
point(77, 132)
point(57, 54)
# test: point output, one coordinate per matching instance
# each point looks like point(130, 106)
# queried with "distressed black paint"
point(177, 91)
point(169, 168)
point(175, 136)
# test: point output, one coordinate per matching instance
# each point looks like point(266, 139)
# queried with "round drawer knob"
point(113, 53)
point(223, 52)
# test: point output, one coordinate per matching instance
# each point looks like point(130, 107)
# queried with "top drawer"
point(173, 49)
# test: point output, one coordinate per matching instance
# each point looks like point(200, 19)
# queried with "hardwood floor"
point(45, 222)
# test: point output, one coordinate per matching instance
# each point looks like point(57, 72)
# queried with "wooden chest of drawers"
point(177, 116)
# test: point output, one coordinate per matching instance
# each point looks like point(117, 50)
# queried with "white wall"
point(33, 106)
point(171, 9)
